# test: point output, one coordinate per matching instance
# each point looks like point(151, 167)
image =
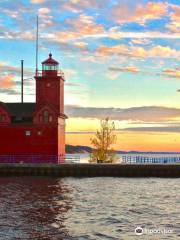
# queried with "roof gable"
point(20, 109)
point(44, 106)
point(19, 112)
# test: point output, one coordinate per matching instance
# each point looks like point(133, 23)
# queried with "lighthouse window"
point(50, 118)
point(46, 116)
point(39, 133)
point(49, 67)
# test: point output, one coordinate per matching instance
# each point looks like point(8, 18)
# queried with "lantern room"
point(50, 66)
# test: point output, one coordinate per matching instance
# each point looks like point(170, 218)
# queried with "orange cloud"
point(43, 11)
point(175, 16)
point(77, 6)
point(140, 52)
point(6, 81)
point(163, 52)
point(122, 13)
point(38, 1)
point(114, 34)
point(172, 72)
point(46, 18)
point(131, 69)
point(140, 41)
point(174, 25)
point(79, 28)
point(85, 25)
point(118, 49)
point(81, 45)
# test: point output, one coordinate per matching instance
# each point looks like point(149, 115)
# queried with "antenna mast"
point(37, 43)
point(22, 82)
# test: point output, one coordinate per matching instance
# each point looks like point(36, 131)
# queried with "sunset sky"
point(120, 59)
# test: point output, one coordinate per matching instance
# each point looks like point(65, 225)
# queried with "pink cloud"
point(85, 25)
point(172, 72)
point(77, 6)
point(140, 52)
point(118, 49)
point(10, 13)
point(46, 20)
point(7, 81)
point(175, 15)
point(131, 69)
point(44, 11)
point(38, 1)
point(78, 28)
point(174, 25)
point(162, 51)
point(122, 13)
point(140, 41)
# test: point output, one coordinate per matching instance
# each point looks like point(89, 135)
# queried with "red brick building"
point(35, 132)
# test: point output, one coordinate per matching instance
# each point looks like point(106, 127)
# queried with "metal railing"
point(37, 159)
point(41, 73)
point(147, 160)
point(74, 159)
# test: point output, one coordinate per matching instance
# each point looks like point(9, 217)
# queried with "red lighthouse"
point(35, 132)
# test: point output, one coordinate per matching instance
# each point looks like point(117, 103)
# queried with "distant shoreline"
point(72, 149)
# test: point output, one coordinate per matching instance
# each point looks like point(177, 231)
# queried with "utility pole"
point(37, 43)
point(22, 81)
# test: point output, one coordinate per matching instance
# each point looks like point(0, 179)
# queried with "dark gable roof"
point(20, 110)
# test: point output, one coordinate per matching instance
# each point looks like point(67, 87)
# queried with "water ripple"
point(88, 209)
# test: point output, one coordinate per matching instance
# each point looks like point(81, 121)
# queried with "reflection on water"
point(33, 208)
point(87, 208)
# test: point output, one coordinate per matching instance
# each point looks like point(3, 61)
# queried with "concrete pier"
point(92, 170)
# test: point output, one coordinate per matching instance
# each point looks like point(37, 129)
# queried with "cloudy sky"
point(120, 58)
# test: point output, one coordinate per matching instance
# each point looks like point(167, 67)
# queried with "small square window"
point(28, 133)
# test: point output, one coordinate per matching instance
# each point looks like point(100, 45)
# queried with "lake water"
point(89, 208)
point(84, 157)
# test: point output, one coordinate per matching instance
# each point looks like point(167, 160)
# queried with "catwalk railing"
point(29, 158)
point(147, 160)
point(41, 73)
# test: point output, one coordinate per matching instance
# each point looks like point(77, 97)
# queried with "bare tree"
point(103, 141)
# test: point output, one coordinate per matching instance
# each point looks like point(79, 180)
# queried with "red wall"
point(13, 140)
point(62, 96)
point(45, 138)
point(50, 89)
point(61, 138)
